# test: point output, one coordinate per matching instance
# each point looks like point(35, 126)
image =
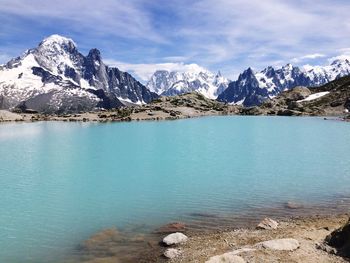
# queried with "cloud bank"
point(229, 35)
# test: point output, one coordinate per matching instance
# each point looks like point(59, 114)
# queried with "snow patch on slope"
point(315, 96)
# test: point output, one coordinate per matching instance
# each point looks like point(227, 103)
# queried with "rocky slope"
point(196, 78)
point(252, 88)
point(56, 77)
point(332, 99)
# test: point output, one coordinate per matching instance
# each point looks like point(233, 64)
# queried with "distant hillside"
point(332, 99)
point(253, 88)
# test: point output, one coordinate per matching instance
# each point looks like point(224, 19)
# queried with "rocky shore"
point(165, 108)
point(289, 103)
point(304, 239)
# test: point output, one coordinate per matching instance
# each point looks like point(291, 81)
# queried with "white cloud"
point(340, 57)
point(108, 17)
point(144, 71)
point(235, 29)
point(308, 57)
point(230, 34)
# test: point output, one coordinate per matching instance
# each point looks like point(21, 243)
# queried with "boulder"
point(287, 112)
point(172, 253)
point(251, 111)
point(174, 239)
point(340, 239)
point(288, 244)
point(267, 224)
point(226, 258)
point(298, 93)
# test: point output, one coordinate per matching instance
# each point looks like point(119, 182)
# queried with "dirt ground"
point(308, 231)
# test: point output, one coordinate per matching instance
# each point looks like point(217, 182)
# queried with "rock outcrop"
point(340, 239)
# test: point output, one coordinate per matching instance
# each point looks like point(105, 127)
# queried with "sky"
point(141, 36)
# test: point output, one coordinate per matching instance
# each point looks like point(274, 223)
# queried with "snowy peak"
point(57, 41)
point(195, 78)
point(252, 88)
point(56, 77)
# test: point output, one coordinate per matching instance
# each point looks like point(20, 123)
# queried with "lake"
point(62, 182)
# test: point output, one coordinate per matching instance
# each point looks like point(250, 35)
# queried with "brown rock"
point(267, 224)
point(340, 239)
point(293, 205)
point(171, 228)
point(101, 239)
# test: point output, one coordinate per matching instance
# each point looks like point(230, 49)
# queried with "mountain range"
point(56, 78)
point(195, 78)
point(252, 88)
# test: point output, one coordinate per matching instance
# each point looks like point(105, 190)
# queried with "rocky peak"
point(94, 55)
point(57, 42)
point(247, 74)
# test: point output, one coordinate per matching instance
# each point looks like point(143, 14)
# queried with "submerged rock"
point(174, 239)
point(289, 244)
point(100, 238)
point(226, 258)
point(267, 224)
point(171, 228)
point(102, 244)
point(172, 253)
point(340, 239)
point(293, 205)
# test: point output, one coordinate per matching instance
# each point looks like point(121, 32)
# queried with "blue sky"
point(144, 35)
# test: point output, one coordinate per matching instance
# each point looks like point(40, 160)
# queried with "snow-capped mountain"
point(252, 88)
point(195, 78)
point(56, 77)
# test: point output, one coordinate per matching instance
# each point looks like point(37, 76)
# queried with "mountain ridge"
point(253, 88)
point(195, 78)
point(56, 77)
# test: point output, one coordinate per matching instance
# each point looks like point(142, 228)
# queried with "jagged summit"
point(252, 88)
point(56, 77)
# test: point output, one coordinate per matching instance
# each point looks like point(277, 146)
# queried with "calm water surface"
point(62, 182)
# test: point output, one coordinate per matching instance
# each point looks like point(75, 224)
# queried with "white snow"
point(240, 102)
point(128, 101)
point(315, 96)
point(195, 78)
point(85, 85)
point(50, 40)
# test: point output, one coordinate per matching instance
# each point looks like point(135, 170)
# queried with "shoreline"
point(184, 106)
point(308, 231)
point(212, 235)
point(109, 117)
point(110, 245)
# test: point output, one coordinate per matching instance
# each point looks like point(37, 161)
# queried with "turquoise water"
point(62, 182)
